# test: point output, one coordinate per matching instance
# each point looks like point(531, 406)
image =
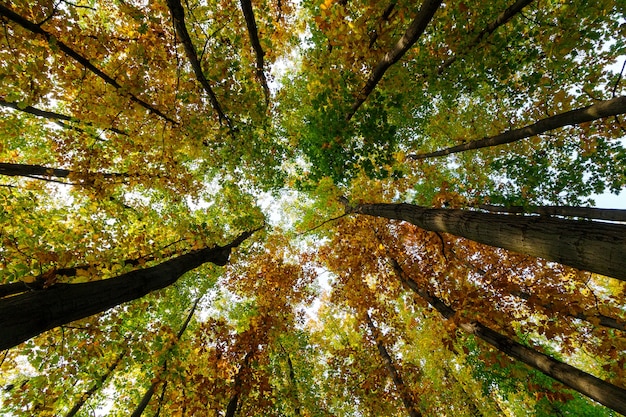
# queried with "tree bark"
point(596, 111)
point(43, 173)
point(615, 215)
point(248, 13)
point(593, 246)
point(601, 391)
point(35, 28)
point(502, 19)
point(412, 34)
point(178, 16)
point(145, 400)
point(56, 117)
point(26, 315)
point(393, 373)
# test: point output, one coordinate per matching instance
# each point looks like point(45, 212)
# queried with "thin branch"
point(619, 78)
point(401, 387)
point(98, 383)
point(56, 117)
point(34, 28)
point(384, 18)
point(150, 392)
point(322, 224)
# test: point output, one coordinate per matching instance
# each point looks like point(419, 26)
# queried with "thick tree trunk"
point(26, 315)
point(412, 34)
point(601, 391)
point(43, 173)
point(592, 246)
point(615, 215)
point(393, 373)
point(599, 110)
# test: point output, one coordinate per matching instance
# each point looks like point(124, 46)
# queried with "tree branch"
point(413, 33)
point(34, 28)
point(596, 111)
point(178, 16)
point(248, 13)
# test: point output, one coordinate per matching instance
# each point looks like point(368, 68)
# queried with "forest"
point(310, 208)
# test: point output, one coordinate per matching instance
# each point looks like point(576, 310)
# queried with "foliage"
point(310, 317)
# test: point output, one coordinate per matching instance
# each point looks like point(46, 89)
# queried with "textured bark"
point(43, 173)
point(39, 283)
point(56, 117)
point(596, 111)
point(601, 391)
point(502, 19)
point(178, 16)
point(593, 246)
point(413, 33)
point(145, 400)
point(35, 28)
point(392, 371)
point(248, 13)
point(29, 314)
point(566, 211)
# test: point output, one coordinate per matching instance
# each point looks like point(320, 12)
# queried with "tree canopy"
point(312, 208)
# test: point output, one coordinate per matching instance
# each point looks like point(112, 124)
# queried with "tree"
point(63, 303)
point(143, 141)
point(595, 247)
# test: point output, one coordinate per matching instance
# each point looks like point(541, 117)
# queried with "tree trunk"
point(40, 172)
point(69, 51)
point(615, 215)
point(412, 34)
point(592, 246)
point(601, 391)
point(26, 315)
point(599, 110)
point(393, 373)
point(178, 16)
point(248, 13)
point(145, 400)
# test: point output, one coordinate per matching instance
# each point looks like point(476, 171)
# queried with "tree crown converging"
point(312, 208)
